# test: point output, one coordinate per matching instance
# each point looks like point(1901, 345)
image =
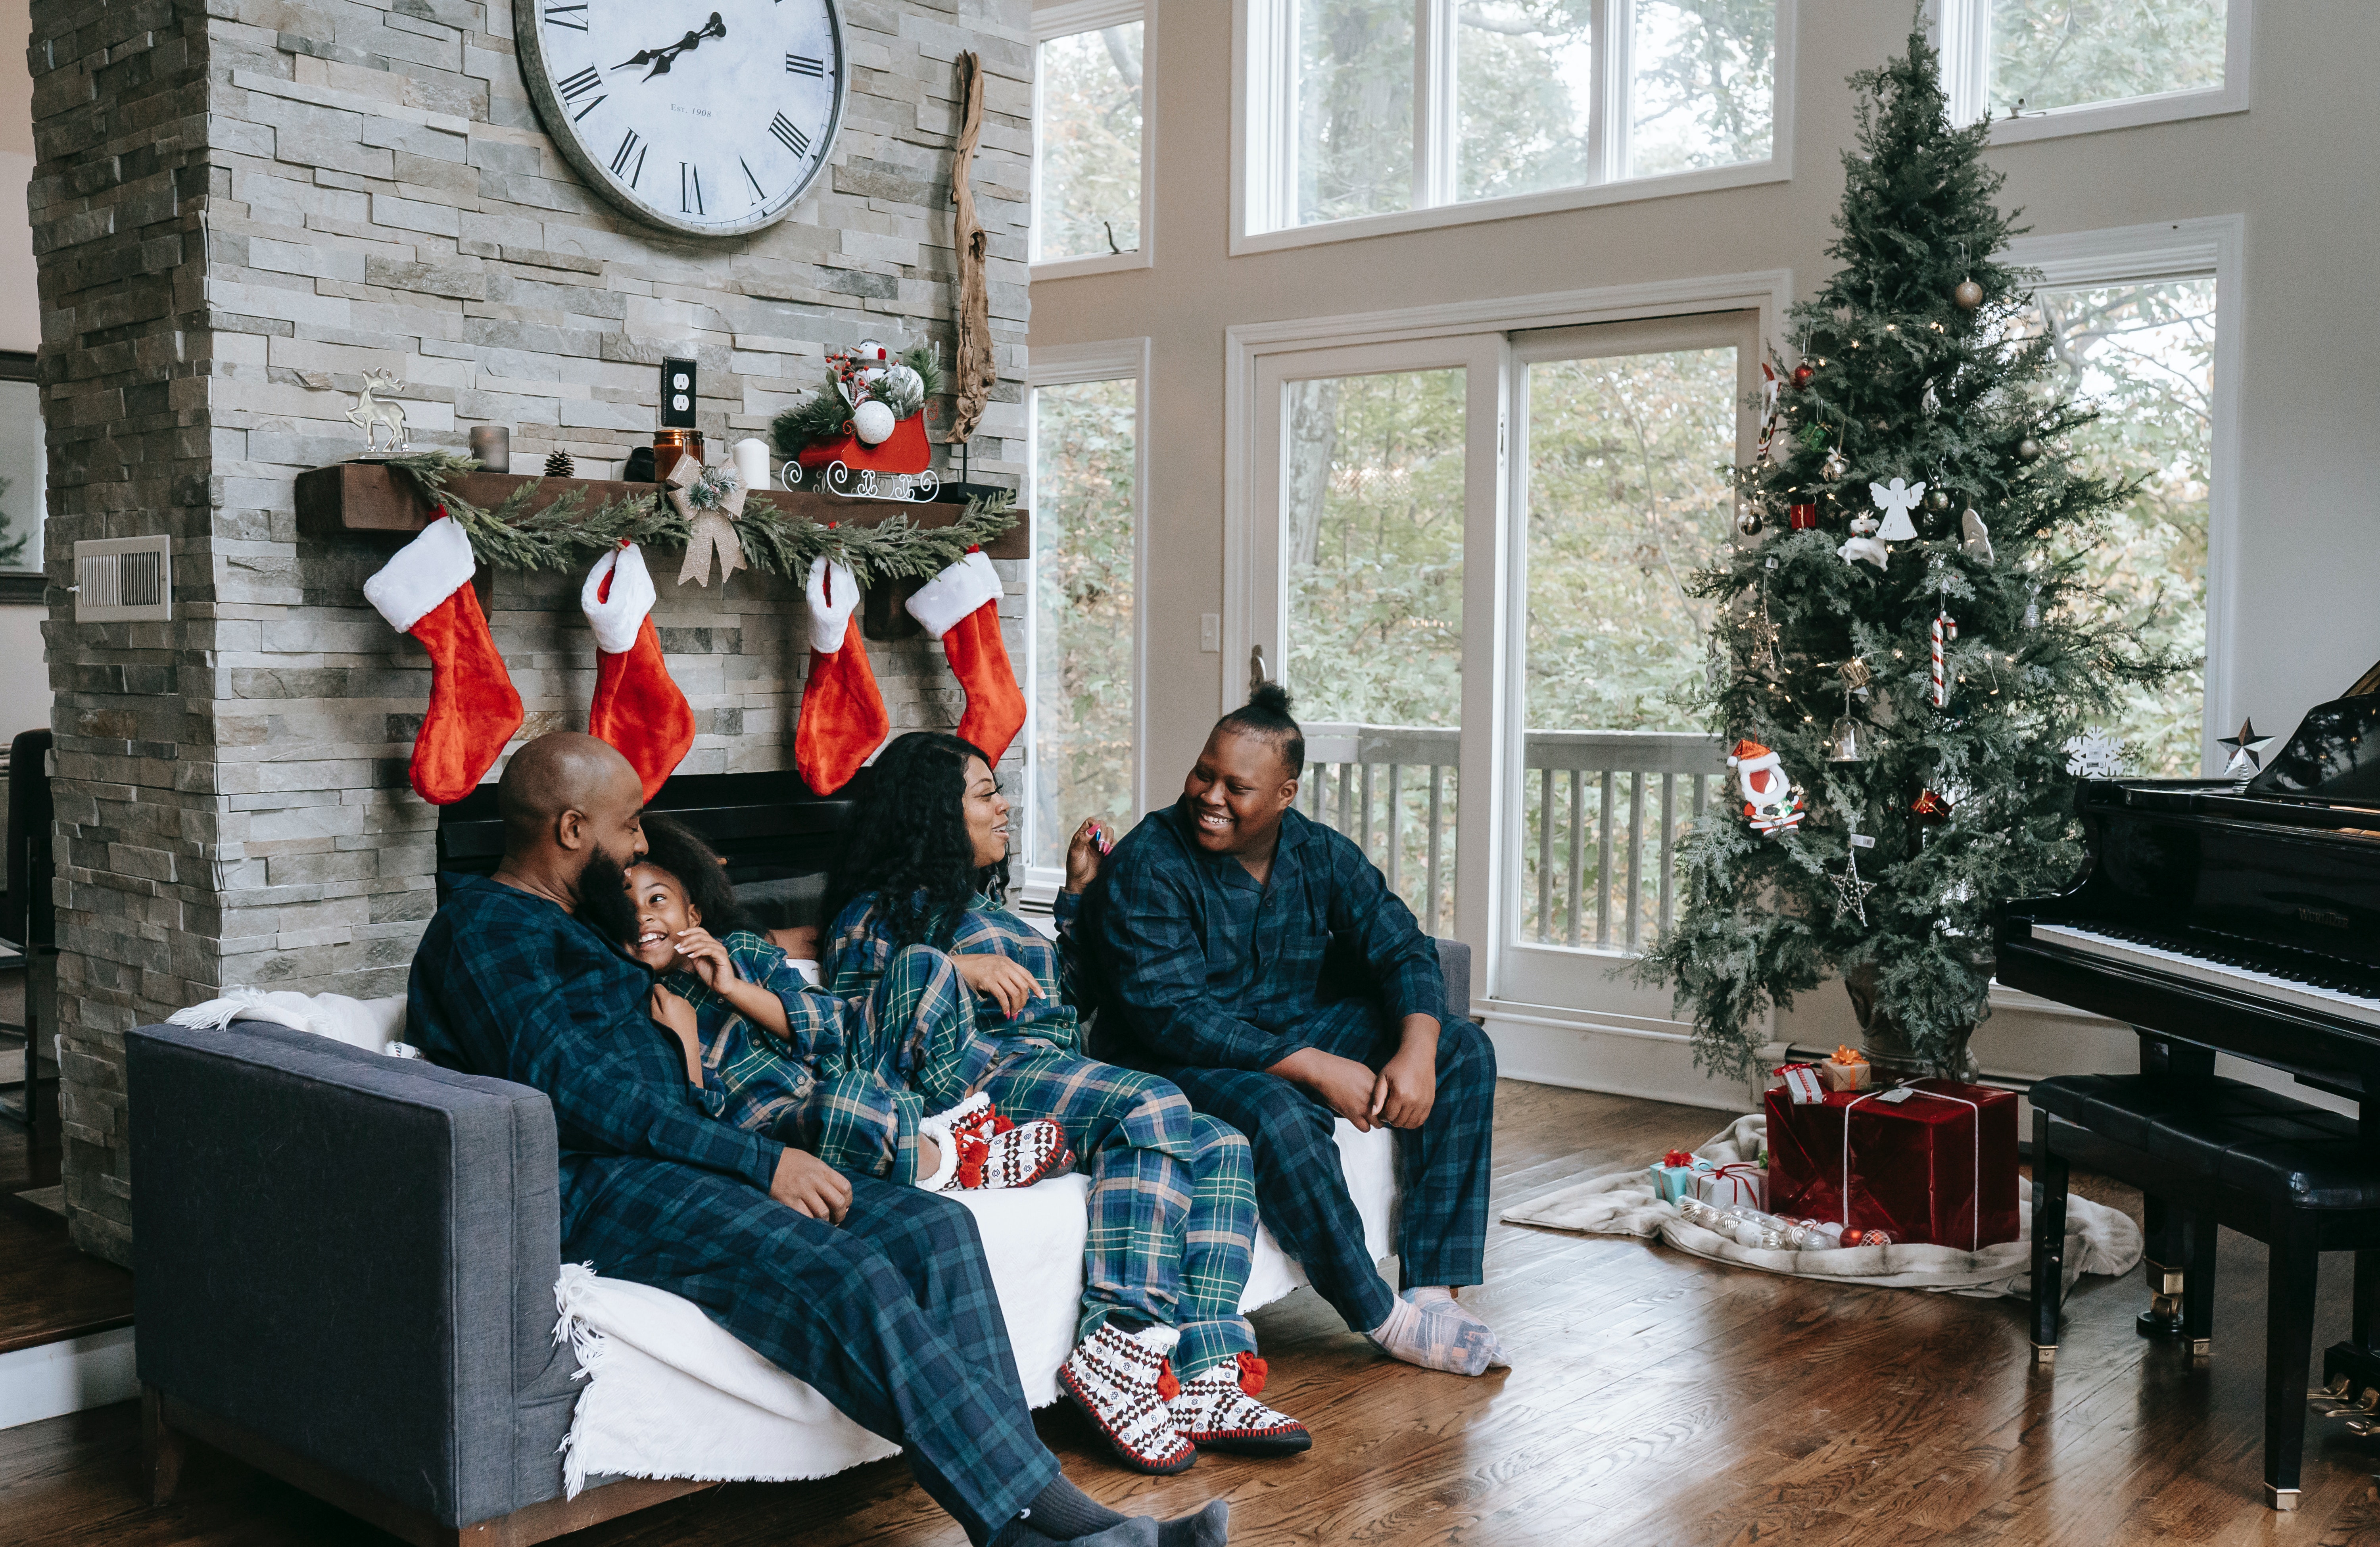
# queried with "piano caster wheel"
point(2045, 1354)
point(2154, 1323)
point(2280, 1498)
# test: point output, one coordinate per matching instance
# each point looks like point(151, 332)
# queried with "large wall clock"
point(705, 116)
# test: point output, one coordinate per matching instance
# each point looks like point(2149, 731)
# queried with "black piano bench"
point(2218, 1152)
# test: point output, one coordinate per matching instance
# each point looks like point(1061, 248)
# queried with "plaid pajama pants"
point(892, 1316)
point(1173, 1207)
point(1442, 1166)
point(910, 1049)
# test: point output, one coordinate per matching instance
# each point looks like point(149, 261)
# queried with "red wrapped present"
point(1934, 1161)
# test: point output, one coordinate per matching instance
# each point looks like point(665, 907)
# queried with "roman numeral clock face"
point(706, 116)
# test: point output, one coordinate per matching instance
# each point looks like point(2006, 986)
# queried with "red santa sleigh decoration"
point(882, 452)
point(1771, 804)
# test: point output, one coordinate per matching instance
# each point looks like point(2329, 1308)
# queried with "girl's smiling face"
point(663, 913)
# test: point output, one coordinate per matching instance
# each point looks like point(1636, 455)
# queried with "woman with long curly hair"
point(1165, 1364)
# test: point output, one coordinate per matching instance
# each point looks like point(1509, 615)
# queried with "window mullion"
point(1435, 136)
point(1615, 31)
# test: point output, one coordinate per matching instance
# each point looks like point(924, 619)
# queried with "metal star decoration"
point(2247, 750)
point(1852, 889)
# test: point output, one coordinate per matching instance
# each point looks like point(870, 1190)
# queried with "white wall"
point(2309, 561)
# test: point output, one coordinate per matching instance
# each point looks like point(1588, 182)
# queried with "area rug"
point(2099, 1239)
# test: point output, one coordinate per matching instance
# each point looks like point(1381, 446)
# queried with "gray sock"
point(1211, 1526)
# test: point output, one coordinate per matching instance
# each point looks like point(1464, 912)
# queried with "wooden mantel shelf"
point(367, 498)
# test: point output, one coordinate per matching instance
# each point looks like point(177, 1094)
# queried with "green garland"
point(565, 537)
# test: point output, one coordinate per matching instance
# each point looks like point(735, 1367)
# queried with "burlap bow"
point(710, 530)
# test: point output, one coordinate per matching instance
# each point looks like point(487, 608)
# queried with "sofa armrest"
point(1454, 965)
point(352, 1256)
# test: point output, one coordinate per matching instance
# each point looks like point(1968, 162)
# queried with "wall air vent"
point(123, 579)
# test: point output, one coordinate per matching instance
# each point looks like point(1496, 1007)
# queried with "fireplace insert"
point(779, 839)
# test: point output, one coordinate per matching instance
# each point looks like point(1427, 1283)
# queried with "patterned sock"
point(1440, 1302)
point(1461, 1345)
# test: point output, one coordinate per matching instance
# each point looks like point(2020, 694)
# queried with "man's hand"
point(1009, 984)
point(1341, 1084)
point(1406, 1087)
point(1083, 856)
point(678, 1016)
point(808, 1186)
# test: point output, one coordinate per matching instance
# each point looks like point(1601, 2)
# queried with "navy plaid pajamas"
point(1172, 1205)
point(892, 1316)
point(1211, 977)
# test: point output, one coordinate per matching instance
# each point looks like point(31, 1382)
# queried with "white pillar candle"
point(752, 462)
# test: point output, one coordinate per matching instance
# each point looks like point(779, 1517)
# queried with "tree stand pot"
point(1889, 1048)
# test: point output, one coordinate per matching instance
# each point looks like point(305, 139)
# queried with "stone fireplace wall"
point(287, 194)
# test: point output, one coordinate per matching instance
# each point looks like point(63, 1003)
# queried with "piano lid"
point(2335, 755)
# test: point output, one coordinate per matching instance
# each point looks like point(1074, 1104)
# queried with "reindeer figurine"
point(369, 413)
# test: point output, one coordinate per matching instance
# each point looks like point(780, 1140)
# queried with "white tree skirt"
point(2099, 1239)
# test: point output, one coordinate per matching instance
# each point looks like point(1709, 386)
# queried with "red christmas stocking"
point(961, 607)
point(425, 591)
point(636, 707)
point(843, 720)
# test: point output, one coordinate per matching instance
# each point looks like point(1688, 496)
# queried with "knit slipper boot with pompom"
point(1122, 1382)
point(1218, 1410)
point(982, 1149)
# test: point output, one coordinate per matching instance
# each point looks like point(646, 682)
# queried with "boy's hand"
point(708, 958)
point(1010, 985)
point(807, 1184)
point(1406, 1087)
point(1083, 856)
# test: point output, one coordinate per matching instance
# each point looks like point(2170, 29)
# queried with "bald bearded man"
point(873, 1293)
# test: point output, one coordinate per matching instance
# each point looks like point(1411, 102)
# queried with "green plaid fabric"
point(1172, 1221)
point(1174, 1200)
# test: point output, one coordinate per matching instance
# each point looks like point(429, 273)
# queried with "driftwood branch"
point(973, 378)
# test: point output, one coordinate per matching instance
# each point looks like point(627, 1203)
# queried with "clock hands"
point(660, 59)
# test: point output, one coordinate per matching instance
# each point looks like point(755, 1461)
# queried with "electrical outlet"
point(1210, 632)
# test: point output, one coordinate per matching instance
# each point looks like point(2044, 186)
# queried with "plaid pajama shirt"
point(853, 1075)
point(1209, 978)
point(892, 1316)
point(1172, 1205)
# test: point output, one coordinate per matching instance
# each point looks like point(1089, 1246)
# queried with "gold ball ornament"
point(1749, 521)
point(1938, 499)
point(2028, 450)
point(1968, 293)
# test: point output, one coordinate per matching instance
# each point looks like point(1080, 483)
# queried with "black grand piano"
point(2221, 917)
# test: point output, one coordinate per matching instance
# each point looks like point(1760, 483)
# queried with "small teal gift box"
point(1674, 1175)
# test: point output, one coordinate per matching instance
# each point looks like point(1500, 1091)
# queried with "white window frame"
point(1263, 119)
point(2183, 249)
point(1250, 567)
point(1115, 359)
point(1963, 28)
point(1064, 20)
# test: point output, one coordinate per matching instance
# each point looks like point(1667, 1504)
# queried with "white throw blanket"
point(370, 1024)
point(670, 1393)
point(2099, 1239)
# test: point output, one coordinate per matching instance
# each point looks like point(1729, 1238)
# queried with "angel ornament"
point(1896, 499)
point(1865, 543)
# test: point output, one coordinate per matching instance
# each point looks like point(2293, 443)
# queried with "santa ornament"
point(1770, 802)
point(842, 719)
point(959, 607)
point(425, 591)
point(636, 707)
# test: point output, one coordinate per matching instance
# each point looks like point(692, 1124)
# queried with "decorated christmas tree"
point(1910, 652)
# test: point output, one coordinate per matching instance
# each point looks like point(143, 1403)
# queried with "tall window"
point(1089, 160)
point(23, 466)
point(2070, 66)
point(2144, 355)
point(1086, 504)
point(1391, 105)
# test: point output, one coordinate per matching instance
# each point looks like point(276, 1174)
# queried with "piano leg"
point(2289, 1344)
point(2049, 1180)
point(2166, 1245)
point(2198, 1288)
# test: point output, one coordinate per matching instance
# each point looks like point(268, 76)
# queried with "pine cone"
point(558, 465)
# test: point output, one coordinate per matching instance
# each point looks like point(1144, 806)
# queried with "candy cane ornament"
point(1945, 628)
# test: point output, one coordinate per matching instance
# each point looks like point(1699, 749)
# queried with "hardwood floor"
point(1656, 1399)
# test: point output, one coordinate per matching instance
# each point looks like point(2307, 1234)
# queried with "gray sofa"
point(345, 1278)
